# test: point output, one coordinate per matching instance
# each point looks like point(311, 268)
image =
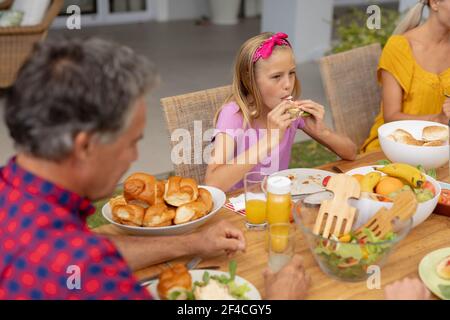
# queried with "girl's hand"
point(315, 123)
point(278, 120)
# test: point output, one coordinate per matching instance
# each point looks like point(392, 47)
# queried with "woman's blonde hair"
point(245, 92)
point(412, 18)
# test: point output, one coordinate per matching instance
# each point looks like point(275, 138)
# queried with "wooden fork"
point(336, 216)
point(404, 207)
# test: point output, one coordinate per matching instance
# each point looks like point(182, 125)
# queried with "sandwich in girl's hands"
point(295, 112)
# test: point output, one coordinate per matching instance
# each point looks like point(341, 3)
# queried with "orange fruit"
point(358, 177)
point(388, 185)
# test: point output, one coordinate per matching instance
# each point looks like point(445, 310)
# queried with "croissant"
point(174, 279)
point(158, 215)
point(195, 210)
point(143, 189)
point(128, 214)
point(179, 191)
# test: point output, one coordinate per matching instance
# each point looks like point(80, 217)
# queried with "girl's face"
point(275, 76)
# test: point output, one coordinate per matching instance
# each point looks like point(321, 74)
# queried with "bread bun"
point(195, 210)
point(179, 191)
point(435, 133)
point(128, 214)
point(436, 143)
point(158, 215)
point(405, 137)
point(173, 279)
point(143, 189)
point(443, 268)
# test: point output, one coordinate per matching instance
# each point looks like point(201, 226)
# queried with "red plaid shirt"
point(46, 249)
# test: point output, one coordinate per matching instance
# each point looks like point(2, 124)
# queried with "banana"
point(369, 181)
point(404, 171)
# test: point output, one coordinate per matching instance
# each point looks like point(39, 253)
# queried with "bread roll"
point(174, 279)
point(179, 191)
point(195, 210)
point(405, 137)
point(143, 189)
point(433, 144)
point(158, 215)
point(128, 214)
point(443, 268)
point(434, 133)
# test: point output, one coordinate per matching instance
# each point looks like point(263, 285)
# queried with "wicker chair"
point(352, 90)
point(181, 111)
point(17, 43)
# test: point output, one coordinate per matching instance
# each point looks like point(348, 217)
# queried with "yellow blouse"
point(423, 91)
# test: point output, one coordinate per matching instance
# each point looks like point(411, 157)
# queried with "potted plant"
point(224, 12)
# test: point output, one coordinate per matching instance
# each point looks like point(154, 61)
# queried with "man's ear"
point(83, 145)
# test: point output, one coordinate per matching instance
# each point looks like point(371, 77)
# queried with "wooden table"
point(432, 234)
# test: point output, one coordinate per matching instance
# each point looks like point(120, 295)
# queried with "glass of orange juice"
point(255, 201)
point(281, 245)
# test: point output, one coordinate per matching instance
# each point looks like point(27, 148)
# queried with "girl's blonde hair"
point(244, 90)
point(412, 18)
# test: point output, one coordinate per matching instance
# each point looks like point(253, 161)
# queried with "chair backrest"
point(181, 112)
point(352, 90)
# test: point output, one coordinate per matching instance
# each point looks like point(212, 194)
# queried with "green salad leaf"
point(383, 162)
point(445, 290)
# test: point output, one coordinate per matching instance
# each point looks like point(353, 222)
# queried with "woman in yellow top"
point(414, 70)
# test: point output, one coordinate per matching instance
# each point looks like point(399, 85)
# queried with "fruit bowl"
point(428, 157)
point(368, 207)
point(343, 260)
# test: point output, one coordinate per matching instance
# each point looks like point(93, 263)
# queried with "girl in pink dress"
point(254, 128)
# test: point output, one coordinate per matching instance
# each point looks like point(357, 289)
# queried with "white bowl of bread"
point(151, 207)
point(415, 142)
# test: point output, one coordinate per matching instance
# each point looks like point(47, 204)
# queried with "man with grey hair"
point(76, 114)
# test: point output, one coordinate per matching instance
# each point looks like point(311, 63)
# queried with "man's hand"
point(290, 283)
point(407, 289)
point(221, 237)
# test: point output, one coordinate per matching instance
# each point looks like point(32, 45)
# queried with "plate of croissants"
point(162, 207)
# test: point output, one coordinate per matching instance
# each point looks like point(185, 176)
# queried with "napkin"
point(237, 204)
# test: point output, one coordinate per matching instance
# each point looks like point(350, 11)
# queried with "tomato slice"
point(445, 197)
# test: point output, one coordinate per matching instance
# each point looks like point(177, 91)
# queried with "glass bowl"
point(347, 261)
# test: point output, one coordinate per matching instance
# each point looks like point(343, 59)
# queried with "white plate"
point(197, 275)
point(427, 270)
point(219, 199)
point(305, 181)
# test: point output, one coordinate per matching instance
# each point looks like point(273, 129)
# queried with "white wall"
point(308, 24)
point(187, 9)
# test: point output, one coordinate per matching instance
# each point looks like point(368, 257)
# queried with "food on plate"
point(398, 177)
point(180, 191)
point(158, 215)
point(444, 198)
point(175, 283)
point(216, 287)
point(196, 209)
point(306, 184)
point(128, 214)
point(431, 136)
point(443, 268)
point(369, 181)
point(388, 185)
point(348, 257)
point(358, 177)
point(413, 176)
point(405, 137)
point(147, 202)
point(143, 189)
point(435, 133)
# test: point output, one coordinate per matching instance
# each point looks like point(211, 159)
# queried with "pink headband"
point(265, 50)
